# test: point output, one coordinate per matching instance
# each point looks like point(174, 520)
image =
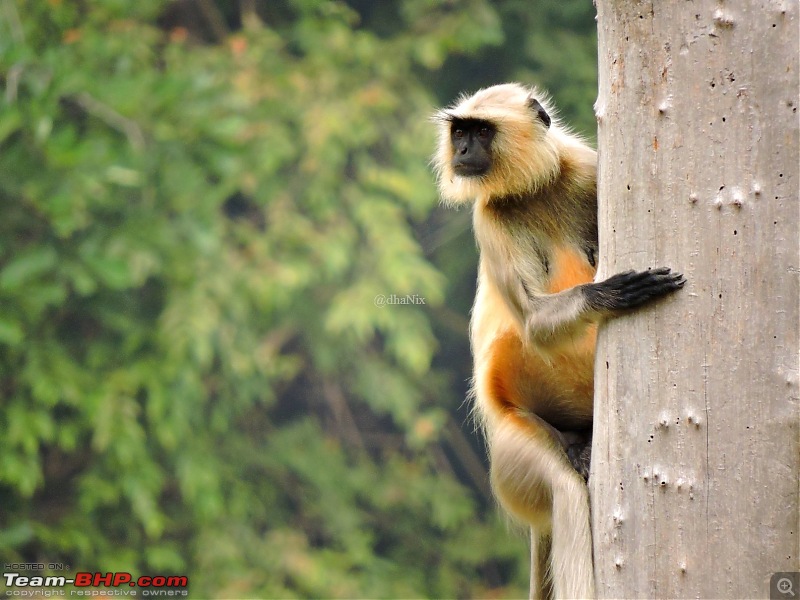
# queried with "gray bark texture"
point(696, 459)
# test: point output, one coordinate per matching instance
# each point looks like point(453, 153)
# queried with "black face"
point(472, 146)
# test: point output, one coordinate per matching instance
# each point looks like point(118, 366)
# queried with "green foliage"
point(200, 208)
point(550, 43)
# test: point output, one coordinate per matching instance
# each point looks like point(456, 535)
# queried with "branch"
point(13, 20)
point(12, 83)
point(467, 457)
point(249, 16)
point(112, 118)
point(214, 18)
point(342, 413)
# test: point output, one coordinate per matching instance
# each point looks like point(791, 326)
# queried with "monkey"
point(532, 184)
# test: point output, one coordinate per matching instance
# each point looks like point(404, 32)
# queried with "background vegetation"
point(200, 201)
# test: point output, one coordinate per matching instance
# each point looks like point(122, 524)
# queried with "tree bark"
point(695, 462)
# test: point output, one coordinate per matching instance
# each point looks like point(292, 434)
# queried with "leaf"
point(26, 266)
point(10, 331)
point(114, 272)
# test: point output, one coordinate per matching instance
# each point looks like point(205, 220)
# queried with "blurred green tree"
point(201, 203)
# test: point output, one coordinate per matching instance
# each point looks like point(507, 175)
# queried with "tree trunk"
point(695, 461)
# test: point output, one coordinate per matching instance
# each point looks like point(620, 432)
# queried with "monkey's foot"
point(580, 455)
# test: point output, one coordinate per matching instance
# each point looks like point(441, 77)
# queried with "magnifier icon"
point(785, 586)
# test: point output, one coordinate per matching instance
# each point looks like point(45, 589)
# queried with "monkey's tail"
point(535, 482)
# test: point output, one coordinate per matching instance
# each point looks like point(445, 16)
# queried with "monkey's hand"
point(628, 290)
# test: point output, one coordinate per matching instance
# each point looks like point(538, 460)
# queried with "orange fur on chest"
point(520, 378)
point(517, 378)
point(568, 268)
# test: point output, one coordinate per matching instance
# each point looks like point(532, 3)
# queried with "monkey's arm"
point(552, 318)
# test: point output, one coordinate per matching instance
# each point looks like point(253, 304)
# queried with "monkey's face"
point(472, 146)
point(495, 143)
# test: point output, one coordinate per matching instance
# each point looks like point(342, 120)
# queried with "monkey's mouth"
point(466, 169)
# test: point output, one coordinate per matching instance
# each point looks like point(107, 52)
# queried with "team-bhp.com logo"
point(87, 584)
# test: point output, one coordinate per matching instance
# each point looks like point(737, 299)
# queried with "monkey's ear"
point(539, 110)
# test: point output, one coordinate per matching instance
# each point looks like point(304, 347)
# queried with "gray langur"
point(533, 188)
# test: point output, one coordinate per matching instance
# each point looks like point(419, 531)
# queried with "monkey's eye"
point(458, 133)
point(483, 132)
